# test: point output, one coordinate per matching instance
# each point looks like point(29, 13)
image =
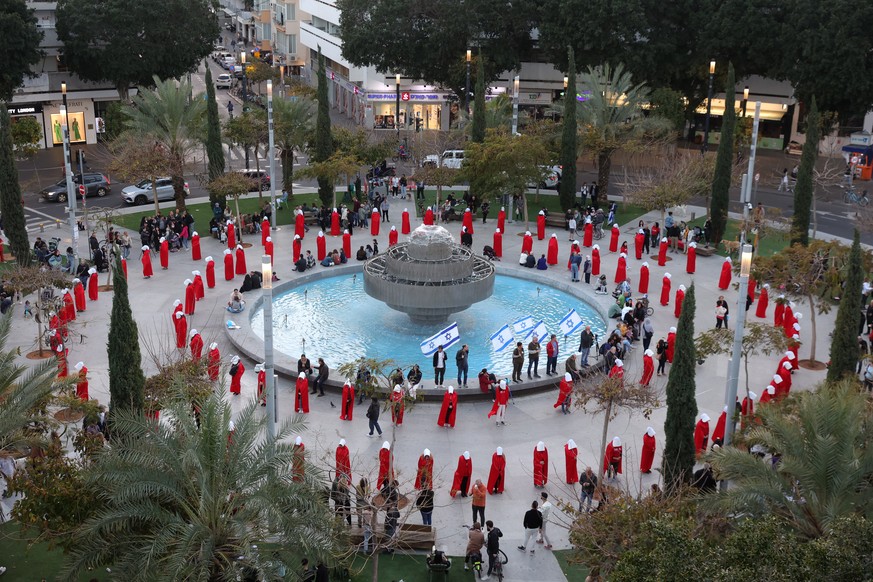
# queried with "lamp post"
point(730, 397)
point(745, 99)
point(68, 172)
point(397, 106)
point(271, 152)
point(515, 83)
point(267, 286)
point(708, 107)
point(750, 175)
point(242, 59)
point(467, 85)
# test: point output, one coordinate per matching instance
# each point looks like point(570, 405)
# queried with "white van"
point(448, 159)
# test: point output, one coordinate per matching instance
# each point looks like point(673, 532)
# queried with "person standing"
point(373, 416)
point(586, 269)
point(479, 501)
point(517, 362)
point(493, 545)
point(662, 356)
point(586, 341)
point(533, 521)
point(545, 511)
point(533, 356)
point(323, 372)
point(462, 359)
point(552, 356)
point(439, 367)
point(588, 483)
point(424, 502)
point(475, 541)
point(648, 332)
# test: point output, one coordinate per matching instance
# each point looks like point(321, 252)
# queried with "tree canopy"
point(19, 44)
point(132, 43)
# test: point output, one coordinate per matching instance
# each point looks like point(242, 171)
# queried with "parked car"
point(223, 81)
point(142, 193)
point(220, 55)
point(794, 148)
point(227, 63)
point(95, 185)
point(552, 179)
point(448, 159)
point(256, 175)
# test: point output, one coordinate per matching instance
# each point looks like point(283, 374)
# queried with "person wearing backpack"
point(868, 374)
point(373, 416)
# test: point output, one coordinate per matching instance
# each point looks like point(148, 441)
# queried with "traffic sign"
point(82, 190)
point(404, 96)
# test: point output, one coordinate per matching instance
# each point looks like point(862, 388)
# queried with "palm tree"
point(611, 119)
point(189, 502)
point(293, 121)
point(22, 391)
point(826, 462)
point(167, 116)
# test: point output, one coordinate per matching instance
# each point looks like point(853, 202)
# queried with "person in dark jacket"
point(373, 416)
point(323, 372)
point(533, 521)
point(492, 544)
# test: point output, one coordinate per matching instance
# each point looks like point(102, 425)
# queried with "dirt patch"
point(105, 288)
point(812, 364)
point(69, 415)
point(46, 353)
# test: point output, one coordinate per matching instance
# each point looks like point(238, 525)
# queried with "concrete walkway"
point(529, 419)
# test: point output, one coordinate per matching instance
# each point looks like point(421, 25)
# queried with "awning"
point(856, 149)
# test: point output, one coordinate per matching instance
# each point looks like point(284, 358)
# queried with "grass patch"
point(25, 560)
point(406, 567)
point(775, 241)
point(574, 572)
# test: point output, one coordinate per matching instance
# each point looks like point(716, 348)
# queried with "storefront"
point(427, 107)
point(80, 118)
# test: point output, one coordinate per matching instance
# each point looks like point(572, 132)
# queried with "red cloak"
point(647, 455)
point(497, 475)
point(564, 390)
point(614, 455)
point(214, 364)
point(301, 395)
point(639, 239)
point(570, 457)
point(501, 397)
point(196, 346)
point(541, 226)
point(265, 231)
point(231, 236)
point(779, 313)
point(181, 331)
point(347, 405)
point(199, 291)
point(468, 220)
point(347, 244)
point(237, 378)
point(621, 270)
point(375, 222)
point(195, 247)
point(763, 302)
point(552, 255)
point(526, 243)
point(665, 291)
point(165, 255)
point(701, 437)
point(190, 298)
point(397, 407)
point(671, 345)
point(79, 293)
point(404, 222)
point(210, 274)
point(268, 250)
point(588, 235)
point(82, 384)
point(449, 409)
point(93, 287)
point(228, 266)
point(498, 243)
point(540, 467)
point(343, 463)
point(298, 462)
point(300, 224)
point(334, 223)
point(462, 477)
point(295, 250)
point(648, 370)
point(595, 261)
point(724, 279)
point(424, 475)
point(677, 307)
point(392, 237)
point(718, 433)
point(613, 238)
point(386, 458)
point(241, 261)
point(428, 216)
point(691, 259)
point(124, 267)
point(501, 219)
point(262, 387)
point(662, 253)
point(320, 247)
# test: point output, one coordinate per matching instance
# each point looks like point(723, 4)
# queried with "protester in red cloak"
point(82, 383)
point(343, 462)
point(347, 405)
point(540, 465)
point(648, 452)
point(213, 365)
point(497, 474)
point(461, 481)
point(301, 393)
point(386, 465)
point(701, 434)
point(196, 345)
point(236, 379)
point(424, 475)
point(449, 408)
point(571, 456)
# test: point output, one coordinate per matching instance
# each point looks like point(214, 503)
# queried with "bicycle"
point(851, 195)
point(598, 231)
point(497, 570)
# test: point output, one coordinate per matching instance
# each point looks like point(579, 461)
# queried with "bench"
point(556, 221)
point(412, 536)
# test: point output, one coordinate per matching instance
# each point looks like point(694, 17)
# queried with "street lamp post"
point(750, 175)
point(745, 99)
point(271, 152)
point(242, 59)
point(734, 365)
point(515, 83)
point(467, 85)
point(267, 286)
point(68, 172)
point(708, 107)
point(397, 106)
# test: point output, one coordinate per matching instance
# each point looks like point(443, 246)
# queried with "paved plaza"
point(530, 418)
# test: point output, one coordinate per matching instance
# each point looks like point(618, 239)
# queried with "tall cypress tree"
point(803, 188)
point(214, 151)
point(126, 378)
point(844, 345)
point(477, 129)
point(323, 138)
point(721, 181)
point(10, 193)
point(678, 463)
point(569, 143)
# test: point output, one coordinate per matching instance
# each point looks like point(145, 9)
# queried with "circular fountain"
point(429, 277)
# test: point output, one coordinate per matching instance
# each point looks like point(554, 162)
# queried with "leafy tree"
point(759, 339)
point(258, 71)
point(167, 117)
point(323, 143)
point(196, 501)
point(214, 151)
point(844, 345)
point(477, 129)
point(44, 284)
point(803, 190)
point(11, 205)
point(26, 136)
point(231, 185)
point(611, 117)
point(126, 379)
point(251, 132)
point(674, 180)
point(569, 139)
point(825, 468)
point(667, 103)
point(292, 123)
point(339, 167)
point(19, 44)
point(135, 158)
point(107, 41)
point(679, 451)
point(721, 181)
point(501, 30)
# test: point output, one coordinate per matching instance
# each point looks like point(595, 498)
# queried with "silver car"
point(142, 193)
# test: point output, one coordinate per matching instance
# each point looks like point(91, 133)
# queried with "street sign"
point(404, 96)
point(82, 190)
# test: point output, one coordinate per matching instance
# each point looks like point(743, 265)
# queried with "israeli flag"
point(447, 337)
point(523, 325)
point(570, 323)
point(501, 339)
point(539, 330)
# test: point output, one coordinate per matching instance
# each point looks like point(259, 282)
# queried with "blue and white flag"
point(570, 323)
point(523, 325)
point(447, 337)
point(539, 330)
point(501, 339)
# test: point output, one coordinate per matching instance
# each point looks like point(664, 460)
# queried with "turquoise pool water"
point(334, 319)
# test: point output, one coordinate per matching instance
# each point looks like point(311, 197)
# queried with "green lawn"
point(33, 561)
point(775, 241)
point(573, 572)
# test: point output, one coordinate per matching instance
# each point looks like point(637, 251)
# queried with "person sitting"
point(438, 562)
point(300, 265)
point(542, 264)
point(614, 311)
point(414, 378)
point(328, 261)
point(257, 279)
point(487, 381)
point(369, 252)
point(55, 260)
point(310, 260)
point(247, 284)
point(343, 259)
point(361, 255)
point(489, 254)
point(601, 286)
point(236, 303)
